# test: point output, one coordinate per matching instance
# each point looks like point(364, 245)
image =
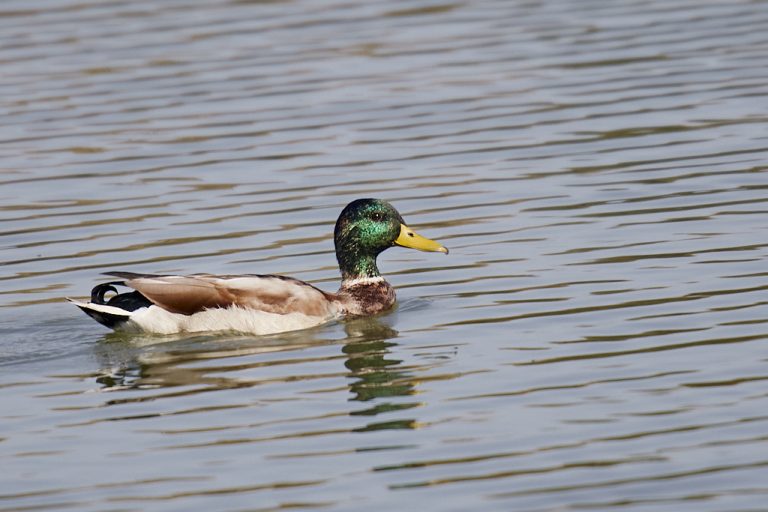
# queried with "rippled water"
point(596, 340)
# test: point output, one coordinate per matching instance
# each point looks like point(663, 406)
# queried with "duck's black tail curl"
point(130, 301)
point(98, 292)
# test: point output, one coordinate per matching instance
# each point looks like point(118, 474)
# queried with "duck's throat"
point(356, 267)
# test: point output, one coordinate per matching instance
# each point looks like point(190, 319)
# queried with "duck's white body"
point(156, 320)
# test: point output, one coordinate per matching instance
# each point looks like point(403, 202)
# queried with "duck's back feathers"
point(188, 295)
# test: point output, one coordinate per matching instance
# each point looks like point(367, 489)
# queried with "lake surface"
point(597, 338)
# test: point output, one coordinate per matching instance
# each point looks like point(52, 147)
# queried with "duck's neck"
point(356, 267)
point(363, 291)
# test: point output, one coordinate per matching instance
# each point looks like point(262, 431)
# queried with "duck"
point(264, 303)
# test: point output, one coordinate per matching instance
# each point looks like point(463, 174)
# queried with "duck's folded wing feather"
point(189, 294)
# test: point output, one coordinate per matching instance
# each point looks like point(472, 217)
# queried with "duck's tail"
point(109, 316)
point(116, 311)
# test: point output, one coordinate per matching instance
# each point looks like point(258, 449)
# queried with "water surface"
point(596, 340)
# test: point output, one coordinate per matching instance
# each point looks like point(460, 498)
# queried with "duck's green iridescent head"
point(365, 228)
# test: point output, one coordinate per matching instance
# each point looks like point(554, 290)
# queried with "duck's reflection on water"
point(194, 364)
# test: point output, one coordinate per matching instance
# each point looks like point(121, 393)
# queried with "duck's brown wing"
point(194, 293)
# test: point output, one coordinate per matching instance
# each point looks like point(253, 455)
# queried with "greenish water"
point(596, 339)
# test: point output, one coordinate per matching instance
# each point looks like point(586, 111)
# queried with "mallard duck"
point(264, 304)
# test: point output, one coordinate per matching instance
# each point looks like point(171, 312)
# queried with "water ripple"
point(594, 340)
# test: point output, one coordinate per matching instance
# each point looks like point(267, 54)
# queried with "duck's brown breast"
point(366, 297)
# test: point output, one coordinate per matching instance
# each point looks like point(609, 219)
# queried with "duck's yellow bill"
point(409, 238)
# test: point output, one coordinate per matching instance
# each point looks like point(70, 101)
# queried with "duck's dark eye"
point(377, 216)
